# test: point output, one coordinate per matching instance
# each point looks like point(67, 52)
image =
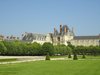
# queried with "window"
point(58, 38)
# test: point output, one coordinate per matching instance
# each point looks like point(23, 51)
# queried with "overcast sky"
point(41, 16)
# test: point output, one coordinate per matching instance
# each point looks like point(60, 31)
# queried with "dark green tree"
point(3, 49)
point(47, 48)
point(36, 48)
point(69, 51)
point(11, 48)
point(69, 55)
point(75, 56)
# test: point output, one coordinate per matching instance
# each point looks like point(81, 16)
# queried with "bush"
point(83, 55)
point(69, 55)
point(47, 57)
point(75, 57)
point(47, 48)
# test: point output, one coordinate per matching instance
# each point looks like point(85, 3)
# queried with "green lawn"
point(8, 60)
point(58, 56)
point(79, 57)
point(65, 67)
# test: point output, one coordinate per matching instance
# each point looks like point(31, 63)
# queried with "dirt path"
point(22, 59)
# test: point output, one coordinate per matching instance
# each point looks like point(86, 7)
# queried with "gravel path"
point(22, 59)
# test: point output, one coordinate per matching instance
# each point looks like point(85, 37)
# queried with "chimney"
point(60, 29)
point(65, 29)
point(54, 30)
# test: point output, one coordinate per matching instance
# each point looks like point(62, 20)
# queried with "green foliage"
point(69, 55)
point(75, 56)
point(34, 49)
point(69, 52)
point(11, 48)
point(47, 57)
point(3, 49)
point(89, 50)
point(47, 48)
point(70, 45)
point(22, 48)
point(62, 49)
point(83, 55)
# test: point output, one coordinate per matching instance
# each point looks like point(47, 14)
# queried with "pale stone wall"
point(86, 42)
point(39, 41)
point(43, 40)
point(67, 38)
point(63, 39)
point(48, 38)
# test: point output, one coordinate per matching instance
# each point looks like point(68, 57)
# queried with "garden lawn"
point(8, 60)
point(65, 67)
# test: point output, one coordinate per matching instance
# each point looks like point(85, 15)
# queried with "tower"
point(60, 29)
point(65, 29)
point(54, 31)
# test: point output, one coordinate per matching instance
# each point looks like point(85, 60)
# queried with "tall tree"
point(3, 49)
point(47, 48)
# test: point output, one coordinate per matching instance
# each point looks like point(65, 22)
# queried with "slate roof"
point(33, 36)
point(86, 37)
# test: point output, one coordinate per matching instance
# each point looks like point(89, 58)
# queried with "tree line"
point(18, 48)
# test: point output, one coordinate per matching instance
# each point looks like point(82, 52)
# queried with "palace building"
point(86, 40)
point(63, 36)
point(1, 37)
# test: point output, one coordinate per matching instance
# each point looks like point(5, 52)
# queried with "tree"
point(71, 46)
point(36, 48)
point(63, 49)
point(75, 56)
point(23, 49)
point(56, 50)
point(11, 48)
point(69, 51)
point(47, 48)
point(3, 49)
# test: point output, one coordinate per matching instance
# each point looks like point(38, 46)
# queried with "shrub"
point(83, 55)
point(75, 57)
point(47, 57)
point(69, 55)
point(47, 48)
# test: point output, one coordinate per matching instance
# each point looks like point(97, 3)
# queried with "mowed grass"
point(8, 60)
point(62, 67)
point(88, 57)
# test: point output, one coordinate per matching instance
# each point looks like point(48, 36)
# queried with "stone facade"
point(35, 37)
point(86, 40)
point(1, 37)
point(63, 36)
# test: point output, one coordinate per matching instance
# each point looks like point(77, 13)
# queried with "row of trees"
point(90, 50)
point(20, 48)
